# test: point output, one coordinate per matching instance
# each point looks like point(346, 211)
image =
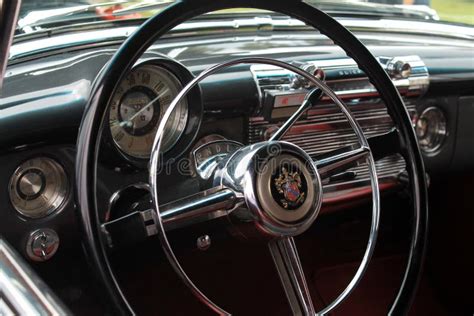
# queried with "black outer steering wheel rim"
point(149, 32)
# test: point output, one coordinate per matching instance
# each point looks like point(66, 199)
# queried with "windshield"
point(46, 14)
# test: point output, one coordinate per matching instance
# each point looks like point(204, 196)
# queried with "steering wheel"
point(259, 175)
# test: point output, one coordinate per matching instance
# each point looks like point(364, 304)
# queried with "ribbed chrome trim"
point(351, 82)
point(325, 127)
point(326, 130)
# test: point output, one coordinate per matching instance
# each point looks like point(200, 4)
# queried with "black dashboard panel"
point(15, 227)
point(441, 159)
point(464, 149)
point(58, 86)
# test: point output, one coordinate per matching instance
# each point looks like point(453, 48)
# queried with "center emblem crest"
point(289, 184)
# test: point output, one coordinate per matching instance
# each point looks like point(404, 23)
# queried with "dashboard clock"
point(38, 187)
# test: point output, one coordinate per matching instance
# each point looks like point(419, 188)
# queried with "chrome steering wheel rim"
point(362, 140)
point(134, 47)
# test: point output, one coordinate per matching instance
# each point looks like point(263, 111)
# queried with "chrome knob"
point(31, 183)
point(42, 244)
point(203, 242)
point(399, 69)
point(299, 82)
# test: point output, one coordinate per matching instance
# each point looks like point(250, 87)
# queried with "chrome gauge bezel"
point(138, 145)
point(190, 124)
point(52, 195)
point(431, 130)
point(205, 168)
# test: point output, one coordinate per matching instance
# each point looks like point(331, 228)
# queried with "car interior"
point(243, 157)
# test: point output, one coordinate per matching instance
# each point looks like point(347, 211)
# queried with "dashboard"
point(43, 99)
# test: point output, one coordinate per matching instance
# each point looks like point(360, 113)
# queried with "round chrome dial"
point(38, 187)
point(137, 107)
point(431, 130)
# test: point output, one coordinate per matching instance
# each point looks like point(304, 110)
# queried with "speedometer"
point(209, 151)
point(139, 104)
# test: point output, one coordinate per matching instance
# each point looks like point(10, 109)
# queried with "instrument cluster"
point(139, 104)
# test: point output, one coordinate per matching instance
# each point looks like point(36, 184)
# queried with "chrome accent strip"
point(288, 265)
point(414, 85)
point(22, 289)
point(9, 11)
point(155, 160)
point(5, 310)
point(237, 27)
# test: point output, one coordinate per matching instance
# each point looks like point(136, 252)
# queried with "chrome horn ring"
point(283, 249)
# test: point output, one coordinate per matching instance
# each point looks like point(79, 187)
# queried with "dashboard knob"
point(42, 244)
point(31, 183)
point(299, 82)
point(399, 69)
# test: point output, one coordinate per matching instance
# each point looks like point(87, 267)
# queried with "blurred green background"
point(460, 11)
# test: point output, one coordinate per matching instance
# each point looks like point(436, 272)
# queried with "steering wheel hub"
point(288, 188)
point(280, 184)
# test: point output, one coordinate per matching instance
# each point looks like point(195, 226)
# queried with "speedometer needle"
point(130, 120)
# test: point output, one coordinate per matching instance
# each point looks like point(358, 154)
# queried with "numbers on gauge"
point(209, 151)
point(138, 106)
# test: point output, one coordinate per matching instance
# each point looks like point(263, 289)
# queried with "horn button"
point(280, 185)
point(283, 190)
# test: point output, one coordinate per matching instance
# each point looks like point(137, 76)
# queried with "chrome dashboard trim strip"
point(259, 25)
point(23, 291)
point(9, 11)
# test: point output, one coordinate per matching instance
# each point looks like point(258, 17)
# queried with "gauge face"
point(431, 130)
point(38, 187)
point(209, 151)
point(138, 106)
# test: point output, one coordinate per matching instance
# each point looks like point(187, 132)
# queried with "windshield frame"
point(52, 18)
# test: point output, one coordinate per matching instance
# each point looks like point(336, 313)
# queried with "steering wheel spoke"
point(310, 100)
point(343, 158)
point(203, 206)
point(290, 185)
point(137, 226)
point(288, 265)
point(386, 144)
point(339, 160)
